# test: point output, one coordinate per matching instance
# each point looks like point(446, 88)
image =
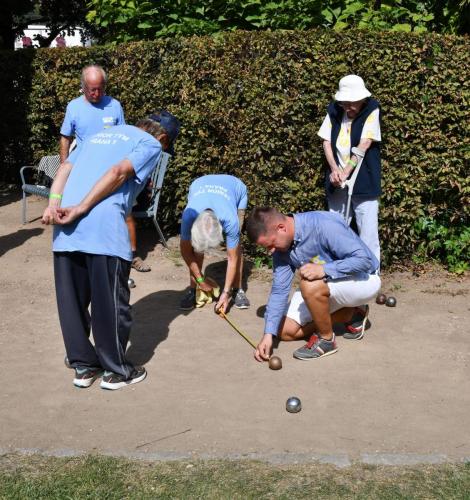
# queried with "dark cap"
point(168, 121)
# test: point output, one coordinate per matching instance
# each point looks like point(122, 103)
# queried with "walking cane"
point(349, 183)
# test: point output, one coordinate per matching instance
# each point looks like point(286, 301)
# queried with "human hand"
point(264, 348)
point(335, 178)
point(311, 272)
point(67, 215)
point(49, 215)
point(222, 303)
point(205, 286)
point(344, 174)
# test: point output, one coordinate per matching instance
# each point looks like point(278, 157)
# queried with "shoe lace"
point(311, 341)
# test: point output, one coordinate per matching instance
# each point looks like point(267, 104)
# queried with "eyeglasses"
point(94, 89)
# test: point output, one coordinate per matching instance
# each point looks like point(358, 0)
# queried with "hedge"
point(251, 104)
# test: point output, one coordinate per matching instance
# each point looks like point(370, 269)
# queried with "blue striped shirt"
point(321, 238)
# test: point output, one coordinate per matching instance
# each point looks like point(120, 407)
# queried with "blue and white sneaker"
point(113, 381)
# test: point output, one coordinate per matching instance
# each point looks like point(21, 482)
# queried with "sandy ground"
point(401, 394)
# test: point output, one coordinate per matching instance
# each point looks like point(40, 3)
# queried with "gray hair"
point(92, 68)
point(206, 232)
point(151, 127)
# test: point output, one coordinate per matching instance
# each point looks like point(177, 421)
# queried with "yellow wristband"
point(200, 279)
point(55, 196)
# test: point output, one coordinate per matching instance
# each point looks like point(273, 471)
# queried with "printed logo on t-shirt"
point(108, 121)
point(108, 138)
point(213, 189)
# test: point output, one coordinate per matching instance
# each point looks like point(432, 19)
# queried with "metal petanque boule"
point(131, 283)
point(381, 299)
point(293, 405)
point(275, 363)
point(391, 302)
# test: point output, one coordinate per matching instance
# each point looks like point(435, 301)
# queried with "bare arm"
point(64, 147)
point(335, 175)
point(187, 252)
point(363, 145)
point(233, 257)
point(233, 261)
point(112, 180)
point(56, 191)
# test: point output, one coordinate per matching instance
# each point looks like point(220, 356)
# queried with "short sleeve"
point(144, 157)
point(232, 232)
point(187, 220)
point(120, 118)
point(325, 129)
point(242, 198)
point(68, 127)
point(371, 129)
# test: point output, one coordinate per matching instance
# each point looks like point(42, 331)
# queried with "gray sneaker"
point(113, 381)
point(359, 323)
point(84, 377)
point(188, 302)
point(316, 347)
point(240, 299)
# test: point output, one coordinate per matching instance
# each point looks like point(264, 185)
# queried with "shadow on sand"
point(152, 315)
point(10, 241)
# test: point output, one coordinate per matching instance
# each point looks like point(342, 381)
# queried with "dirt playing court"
point(400, 395)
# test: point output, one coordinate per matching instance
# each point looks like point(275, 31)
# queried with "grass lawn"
point(96, 477)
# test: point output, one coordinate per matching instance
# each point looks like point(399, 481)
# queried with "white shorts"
point(346, 292)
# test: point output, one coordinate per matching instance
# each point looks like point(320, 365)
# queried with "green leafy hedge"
point(251, 104)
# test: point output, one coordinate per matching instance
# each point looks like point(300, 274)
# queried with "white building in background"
point(28, 40)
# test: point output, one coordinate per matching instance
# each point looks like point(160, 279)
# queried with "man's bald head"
point(93, 82)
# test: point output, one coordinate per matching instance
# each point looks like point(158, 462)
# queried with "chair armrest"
point(22, 169)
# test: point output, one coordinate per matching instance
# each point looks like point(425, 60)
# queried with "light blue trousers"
point(366, 211)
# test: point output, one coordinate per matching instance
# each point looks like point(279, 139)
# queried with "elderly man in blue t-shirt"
point(90, 113)
point(338, 273)
point(216, 205)
point(90, 198)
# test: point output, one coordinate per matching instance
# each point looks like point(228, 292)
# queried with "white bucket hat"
point(351, 89)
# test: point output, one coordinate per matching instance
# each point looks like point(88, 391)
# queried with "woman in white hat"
point(353, 121)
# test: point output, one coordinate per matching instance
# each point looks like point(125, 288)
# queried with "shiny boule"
point(381, 299)
point(275, 363)
point(391, 302)
point(131, 283)
point(293, 405)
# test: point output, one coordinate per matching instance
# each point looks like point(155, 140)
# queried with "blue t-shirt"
point(103, 230)
point(83, 118)
point(224, 195)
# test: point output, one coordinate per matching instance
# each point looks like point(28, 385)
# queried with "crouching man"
point(90, 198)
point(337, 275)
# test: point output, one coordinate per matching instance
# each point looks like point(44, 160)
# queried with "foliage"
point(11, 14)
point(59, 16)
point(126, 20)
point(251, 104)
point(446, 242)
